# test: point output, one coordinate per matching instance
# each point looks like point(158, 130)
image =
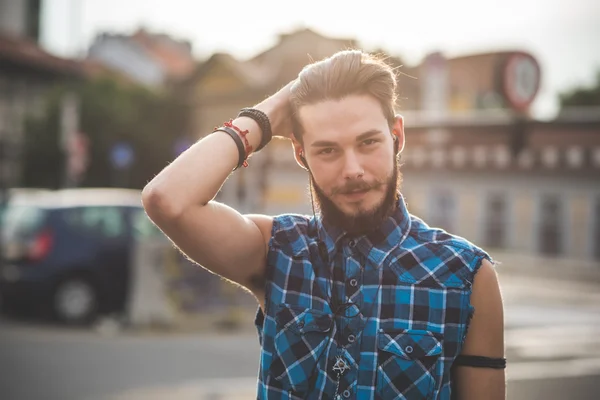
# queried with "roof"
point(96, 69)
point(175, 56)
point(246, 71)
point(26, 53)
point(271, 68)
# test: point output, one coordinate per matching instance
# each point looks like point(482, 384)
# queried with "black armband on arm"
point(480, 362)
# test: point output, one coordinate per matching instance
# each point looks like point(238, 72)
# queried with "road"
point(50, 363)
point(553, 346)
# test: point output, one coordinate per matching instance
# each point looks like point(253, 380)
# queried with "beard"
point(364, 220)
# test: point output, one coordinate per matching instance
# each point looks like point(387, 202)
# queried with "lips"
point(357, 191)
point(356, 194)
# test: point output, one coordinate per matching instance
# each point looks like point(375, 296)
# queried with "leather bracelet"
point(263, 122)
point(238, 142)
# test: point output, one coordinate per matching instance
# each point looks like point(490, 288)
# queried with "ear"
point(398, 132)
point(299, 154)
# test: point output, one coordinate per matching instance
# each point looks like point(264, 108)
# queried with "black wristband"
point(263, 122)
point(238, 142)
point(480, 362)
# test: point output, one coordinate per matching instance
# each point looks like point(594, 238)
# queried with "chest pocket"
point(302, 337)
point(407, 364)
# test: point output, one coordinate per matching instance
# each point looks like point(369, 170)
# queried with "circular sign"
point(521, 80)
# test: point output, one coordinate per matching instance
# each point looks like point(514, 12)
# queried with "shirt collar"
point(388, 236)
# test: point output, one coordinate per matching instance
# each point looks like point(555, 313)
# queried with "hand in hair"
point(277, 107)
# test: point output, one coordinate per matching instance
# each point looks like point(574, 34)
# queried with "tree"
point(110, 113)
point(582, 96)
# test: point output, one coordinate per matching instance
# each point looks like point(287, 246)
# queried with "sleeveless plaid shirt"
point(378, 316)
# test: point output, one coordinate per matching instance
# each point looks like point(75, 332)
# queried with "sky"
point(564, 35)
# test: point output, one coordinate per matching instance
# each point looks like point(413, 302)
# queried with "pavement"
point(81, 365)
point(552, 344)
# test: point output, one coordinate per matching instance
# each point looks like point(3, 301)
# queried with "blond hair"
point(343, 74)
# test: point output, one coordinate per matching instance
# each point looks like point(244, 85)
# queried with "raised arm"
point(179, 200)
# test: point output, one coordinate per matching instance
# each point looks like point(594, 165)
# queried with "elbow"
point(159, 205)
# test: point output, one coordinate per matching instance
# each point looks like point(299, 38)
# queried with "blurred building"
point(26, 72)
point(223, 84)
point(150, 59)
point(509, 183)
point(475, 162)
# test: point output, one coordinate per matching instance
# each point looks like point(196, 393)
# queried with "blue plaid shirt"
point(378, 316)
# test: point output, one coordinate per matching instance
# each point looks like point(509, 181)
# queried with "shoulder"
point(270, 225)
point(291, 230)
point(264, 224)
point(291, 221)
point(459, 254)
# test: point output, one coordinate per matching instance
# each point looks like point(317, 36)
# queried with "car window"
point(106, 221)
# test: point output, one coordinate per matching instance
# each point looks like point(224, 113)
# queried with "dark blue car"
point(69, 252)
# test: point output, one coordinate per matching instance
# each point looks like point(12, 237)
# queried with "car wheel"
point(75, 301)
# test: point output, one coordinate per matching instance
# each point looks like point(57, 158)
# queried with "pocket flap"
point(302, 320)
point(410, 344)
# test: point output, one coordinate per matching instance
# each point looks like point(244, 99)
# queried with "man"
point(363, 300)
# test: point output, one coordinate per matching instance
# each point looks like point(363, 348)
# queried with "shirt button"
point(346, 393)
point(353, 282)
point(408, 349)
point(351, 338)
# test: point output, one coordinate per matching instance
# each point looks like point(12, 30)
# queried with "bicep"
point(485, 338)
point(221, 240)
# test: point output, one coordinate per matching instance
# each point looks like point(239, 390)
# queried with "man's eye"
point(369, 142)
point(327, 150)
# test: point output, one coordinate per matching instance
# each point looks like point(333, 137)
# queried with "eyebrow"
point(359, 138)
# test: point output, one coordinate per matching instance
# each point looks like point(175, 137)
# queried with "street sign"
point(521, 80)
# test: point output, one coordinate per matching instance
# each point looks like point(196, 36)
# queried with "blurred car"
point(69, 251)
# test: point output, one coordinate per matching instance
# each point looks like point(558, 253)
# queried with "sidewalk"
point(518, 374)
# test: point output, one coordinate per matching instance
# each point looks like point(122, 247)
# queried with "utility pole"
point(69, 129)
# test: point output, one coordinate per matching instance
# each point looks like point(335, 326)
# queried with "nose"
point(352, 166)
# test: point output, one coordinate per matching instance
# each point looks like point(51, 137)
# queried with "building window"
point(479, 156)
point(459, 156)
point(550, 226)
point(575, 156)
point(443, 210)
point(550, 156)
point(496, 209)
point(438, 157)
point(502, 156)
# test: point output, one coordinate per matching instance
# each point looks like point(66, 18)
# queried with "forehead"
point(341, 119)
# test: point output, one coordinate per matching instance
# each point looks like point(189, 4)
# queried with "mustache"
point(357, 185)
